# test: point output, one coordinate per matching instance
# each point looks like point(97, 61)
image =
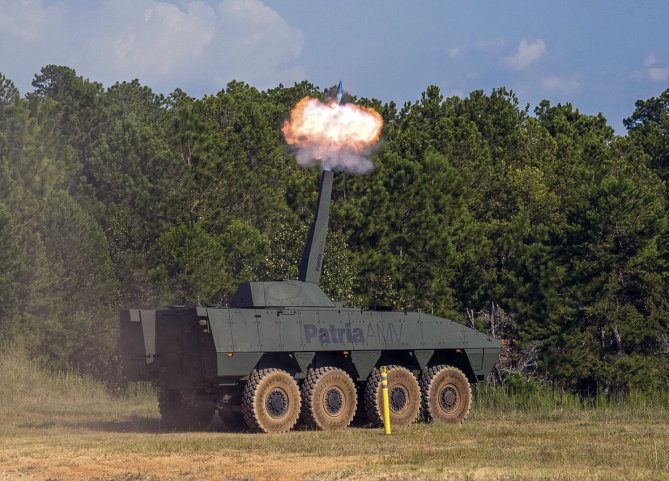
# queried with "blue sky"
point(599, 55)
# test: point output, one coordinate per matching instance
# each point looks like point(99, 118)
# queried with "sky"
point(600, 55)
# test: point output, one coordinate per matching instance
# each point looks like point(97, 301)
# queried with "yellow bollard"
point(386, 403)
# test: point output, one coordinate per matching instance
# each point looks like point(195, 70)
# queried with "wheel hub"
point(277, 403)
point(333, 401)
point(448, 399)
point(398, 397)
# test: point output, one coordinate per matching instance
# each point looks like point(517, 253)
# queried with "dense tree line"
point(119, 197)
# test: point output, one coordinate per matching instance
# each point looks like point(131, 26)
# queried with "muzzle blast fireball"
point(337, 137)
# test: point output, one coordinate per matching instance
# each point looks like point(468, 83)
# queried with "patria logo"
point(374, 333)
point(333, 334)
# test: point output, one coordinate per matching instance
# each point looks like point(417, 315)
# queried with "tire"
point(330, 399)
point(447, 394)
point(178, 411)
point(271, 401)
point(403, 395)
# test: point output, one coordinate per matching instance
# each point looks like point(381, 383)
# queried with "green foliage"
point(121, 197)
point(10, 264)
point(63, 285)
point(191, 265)
point(531, 399)
point(8, 91)
point(649, 128)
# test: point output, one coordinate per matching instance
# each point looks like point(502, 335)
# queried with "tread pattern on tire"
point(373, 409)
point(252, 416)
point(309, 416)
point(426, 383)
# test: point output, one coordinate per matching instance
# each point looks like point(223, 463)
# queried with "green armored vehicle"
point(283, 351)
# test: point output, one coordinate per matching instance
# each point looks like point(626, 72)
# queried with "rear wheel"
point(403, 396)
point(180, 411)
point(271, 401)
point(447, 394)
point(330, 398)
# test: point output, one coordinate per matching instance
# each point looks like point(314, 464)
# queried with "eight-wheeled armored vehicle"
point(283, 351)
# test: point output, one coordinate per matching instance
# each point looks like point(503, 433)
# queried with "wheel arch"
point(280, 360)
point(456, 358)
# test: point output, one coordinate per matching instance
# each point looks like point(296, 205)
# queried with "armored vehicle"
point(282, 351)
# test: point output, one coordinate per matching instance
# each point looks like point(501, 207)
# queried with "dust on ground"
point(214, 467)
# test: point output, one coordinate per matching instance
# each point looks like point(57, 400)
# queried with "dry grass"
point(62, 427)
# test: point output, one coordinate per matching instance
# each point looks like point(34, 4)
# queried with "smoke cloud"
point(338, 160)
point(332, 136)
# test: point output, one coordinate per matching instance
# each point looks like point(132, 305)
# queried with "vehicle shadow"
point(146, 425)
point(154, 425)
point(135, 424)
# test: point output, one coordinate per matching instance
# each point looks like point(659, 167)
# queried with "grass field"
point(62, 427)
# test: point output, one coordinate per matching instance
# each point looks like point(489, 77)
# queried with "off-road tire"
point(178, 413)
point(329, 399)
point(403, 393)
point(447, 394)
point(271, 401)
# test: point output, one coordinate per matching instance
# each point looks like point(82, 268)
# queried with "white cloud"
point(652, 71)
point(658, 74)
point(256, 44)
point(455, 52)
point(25, 20)
point(526, 54)
point(31, 36)
point(163, 38)
point(650, 60)
point(493, 44)
point(555, 84)
point(165, 44)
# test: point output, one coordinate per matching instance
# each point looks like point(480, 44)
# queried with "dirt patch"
point(237, 467)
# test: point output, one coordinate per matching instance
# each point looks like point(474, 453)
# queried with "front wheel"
point(447, 394)
point(271, 401)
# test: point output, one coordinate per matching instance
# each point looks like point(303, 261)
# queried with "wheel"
point(403, 396)
point(271, 401)
point(179, 411)
point(330, 398)
point(447, 394)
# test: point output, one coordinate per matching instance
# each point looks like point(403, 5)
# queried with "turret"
point(305, 291)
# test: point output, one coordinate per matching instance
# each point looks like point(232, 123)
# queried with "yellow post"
point(386, 403)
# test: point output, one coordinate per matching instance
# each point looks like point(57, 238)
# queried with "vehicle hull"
point(204, 346)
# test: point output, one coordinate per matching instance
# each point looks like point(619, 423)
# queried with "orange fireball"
point(330, 127)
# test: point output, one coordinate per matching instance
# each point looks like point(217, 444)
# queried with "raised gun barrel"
point(314, 249)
